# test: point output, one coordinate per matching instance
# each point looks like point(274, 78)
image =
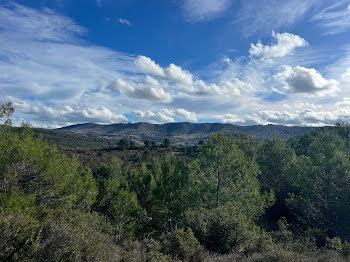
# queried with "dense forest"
point(226, 199)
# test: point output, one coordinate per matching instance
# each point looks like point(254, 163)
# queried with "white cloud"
point(186, 114)
point(307, 80)
point(181, 113)
point(286, 43)
point(227, 88)
point(308, 117)
point(346, 76)
point(344, 103)
point(172, 73)
point(148, 66)
point(124, 21)
point(177, 74)
point(150, 89)
point(335, 18)
point(66, 115)
point(44, 25)
point(186, 83)
point(151, 117)
point(230, 118)
point(204, 10)
point(268, 15)
point(165, 115)
point(44, 57)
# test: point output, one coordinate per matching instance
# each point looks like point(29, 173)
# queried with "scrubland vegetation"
point(228, 199)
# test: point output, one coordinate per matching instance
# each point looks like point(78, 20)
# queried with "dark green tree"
point(223, 175)
point(322, 185)
point(116, 201)
point(166, 142)
point(275, 158)
point(162, 189)
point(124, 143)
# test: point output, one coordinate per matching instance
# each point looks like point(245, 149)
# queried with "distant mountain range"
point(181, 133)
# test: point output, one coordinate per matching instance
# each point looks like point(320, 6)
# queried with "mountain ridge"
point(182, 132)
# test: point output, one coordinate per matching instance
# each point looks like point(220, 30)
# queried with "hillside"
point(181, 133)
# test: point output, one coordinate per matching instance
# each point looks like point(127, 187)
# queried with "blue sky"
point(244, 62)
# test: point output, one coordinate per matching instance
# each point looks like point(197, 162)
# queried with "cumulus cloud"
point(151, 117)
point(204, 10)
point(230, 88)
point(186, 83)
point(346, 76)
point(177, 74)
point(148, 66)
point(286, 43)
point(150, 89)
point(344, 103)
point(66, 115)
point(230, 118)
point(307, 80)
point(308, 117)
point(172, 73)
point(124, 21)
point(181, 113)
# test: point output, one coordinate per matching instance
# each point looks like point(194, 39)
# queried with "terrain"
point(181, 133)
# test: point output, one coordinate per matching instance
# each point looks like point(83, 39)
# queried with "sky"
point(245, 62)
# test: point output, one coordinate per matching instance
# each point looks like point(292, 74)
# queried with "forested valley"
point(226, 199)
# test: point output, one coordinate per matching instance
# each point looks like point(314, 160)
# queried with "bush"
point(181, 244)
point(221, 230)
point(334, 244)
point(18, 234)
point(140, 251)
point(72, 237)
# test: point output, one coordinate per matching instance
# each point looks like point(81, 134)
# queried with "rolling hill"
point(180, 133)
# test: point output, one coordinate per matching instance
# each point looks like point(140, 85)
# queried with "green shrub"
point(221, 229)
point(181, 244)
point(18, 234)
point(334, 243)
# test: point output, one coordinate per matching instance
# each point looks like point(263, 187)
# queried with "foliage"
point(162, 190)
point(116, 201)
point(322, 182)
point(38, 170)
point(176, 203)
point(275, 158)
point(6, 110)
point(124, 143)
point(220, 229)
point(223, 175)
point(181, 244)
point(166, 142)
